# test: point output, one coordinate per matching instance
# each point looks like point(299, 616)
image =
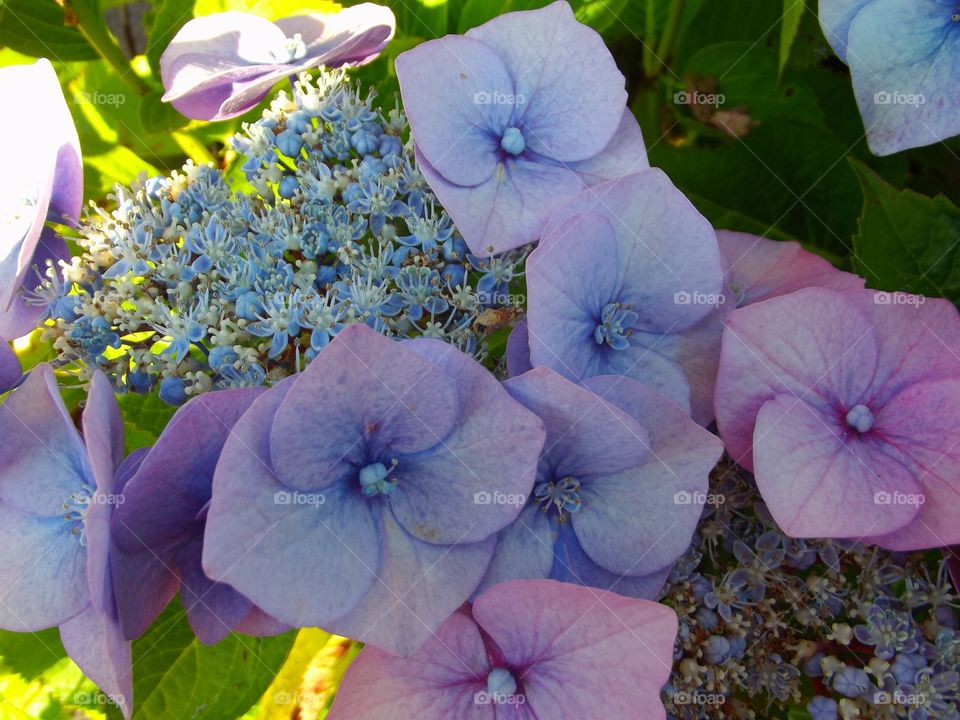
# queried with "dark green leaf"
point(746, 77)
point(176, 677)
point(38, 28)
point(144, 418)
point(784, 175)
point(907, 241)
point(30, 654)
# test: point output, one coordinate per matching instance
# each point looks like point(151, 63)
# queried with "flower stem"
point(91, 25)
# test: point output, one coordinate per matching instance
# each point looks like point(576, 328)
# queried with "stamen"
point(615, 325)
point(564, 495)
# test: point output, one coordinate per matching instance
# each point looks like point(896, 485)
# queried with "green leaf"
point(175, 676)
point(157, 116)
point(789, 25)
point(746, 78)
point(786, 176)
point(103, 171)
point(38, 28)
point(168, 17)
point(477, 12)
point(30, 654)
point(753, 21)
point(906, 241)
point(144, 418)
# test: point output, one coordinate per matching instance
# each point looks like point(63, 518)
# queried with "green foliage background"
point(796, 168)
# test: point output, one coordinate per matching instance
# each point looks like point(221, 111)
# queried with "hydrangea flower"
point(382, 463)
point(57, 493)
point(845, 406)
point(627, 281)
point(524, 649)
point(903, 58)
point(239, 288)
point(158, 530)
point(219, 66)
point(9, 367)
point(620, 486)
point(515, 118)
point(47, 185)
point(757, 268)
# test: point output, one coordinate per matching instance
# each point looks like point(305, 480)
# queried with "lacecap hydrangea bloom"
point(221, 65)
point(620, 486)
point(846, 407)
point(340, 489)
point(903, 57)
point(627, 280)
point(516, 117)
point(57, 493)
point(158, 529)
point(524, 649)
point(186, 286)
point(47, 185)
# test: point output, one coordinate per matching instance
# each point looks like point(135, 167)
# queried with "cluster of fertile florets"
point(191, 286)
point(750, 599)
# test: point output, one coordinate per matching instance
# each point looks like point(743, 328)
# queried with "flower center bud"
point(512, 141)
point(373, 479)
point(293, 49)
point(501, 682)
point(615, 325)
point(860, 418)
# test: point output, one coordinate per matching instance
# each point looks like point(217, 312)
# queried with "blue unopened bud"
point(289, 143)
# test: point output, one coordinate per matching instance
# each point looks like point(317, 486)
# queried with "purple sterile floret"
point(9, 367)
point(526, 649)
point(158, 530)
point(341, 488)
point(620, 486)
point(514, 118)
point(57, 492)
point(628, 281)
point(219, 66)
point(756, 268)
point(47, 184)
point(846, 405)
